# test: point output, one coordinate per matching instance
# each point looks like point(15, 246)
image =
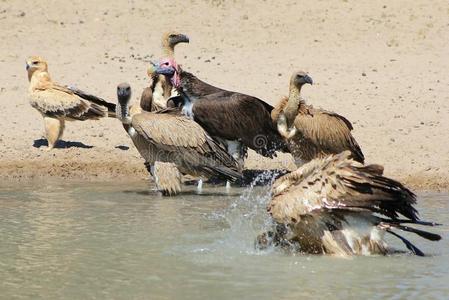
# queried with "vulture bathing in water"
point(337, 206)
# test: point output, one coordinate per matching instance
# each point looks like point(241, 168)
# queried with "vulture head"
point(300, 78)
point(170, 40)
point(35, 63)
point(123, 97)
point(169, 68)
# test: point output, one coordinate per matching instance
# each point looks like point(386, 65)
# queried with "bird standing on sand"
point(160, 89)
point(310, 132)
point(168, 136)
point(336, 205)
point(58, 104)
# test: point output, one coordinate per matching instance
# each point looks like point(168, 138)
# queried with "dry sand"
point(382, 64)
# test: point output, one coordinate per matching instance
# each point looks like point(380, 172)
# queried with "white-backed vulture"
point(160, 88)
point(168, 136)
point(310, 132)
point(58, 104)
point(336, 205)
point(166, 175)
point(237, 120)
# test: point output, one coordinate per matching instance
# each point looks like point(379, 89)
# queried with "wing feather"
point(169, 130)
point(240, 117)
point(329, 131)
point(339, 183)
point(60, 102)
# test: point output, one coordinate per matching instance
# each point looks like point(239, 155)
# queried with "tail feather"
point(424, 234)
point(224, 173)
point(408, 244)
point(407, 221)
point(97, 100)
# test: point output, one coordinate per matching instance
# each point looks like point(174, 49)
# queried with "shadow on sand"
point(61, 144)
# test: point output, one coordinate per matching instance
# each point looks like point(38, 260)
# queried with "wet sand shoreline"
point(382, 65)
point(14, 172)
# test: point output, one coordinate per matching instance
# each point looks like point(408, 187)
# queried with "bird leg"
point(236, 151)
point(53, 131)
point(200, 186)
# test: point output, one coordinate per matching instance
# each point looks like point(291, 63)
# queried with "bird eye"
point(35, 62)
point(128, 88)
point(166, 63)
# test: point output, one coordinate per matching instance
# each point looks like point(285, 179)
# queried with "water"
point(122, 241)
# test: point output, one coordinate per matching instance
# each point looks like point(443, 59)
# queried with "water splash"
point(246, 217)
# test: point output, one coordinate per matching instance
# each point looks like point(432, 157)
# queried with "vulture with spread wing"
point(336, 205)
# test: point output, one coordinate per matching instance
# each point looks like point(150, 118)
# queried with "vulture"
point(160, 89)
point(170, 137)
point(237, 120)
point(58, 104)
point(166, 175)
point(338, 206)
point(312, 133)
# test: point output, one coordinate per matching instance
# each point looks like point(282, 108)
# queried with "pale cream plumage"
point(57, 103)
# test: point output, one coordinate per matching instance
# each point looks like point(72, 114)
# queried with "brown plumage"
point(168, 136)
point(338, 206)
point(167, 177)
point(170, 40)
point(58, 104)
point(239, 120)
point(310, 132)
point(160, 89)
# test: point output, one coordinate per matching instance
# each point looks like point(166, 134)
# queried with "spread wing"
point(337, 183)
point(60, 102)
point(329, 131)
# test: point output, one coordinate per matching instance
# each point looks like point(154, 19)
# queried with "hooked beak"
point(308, 79)
point(166, 70)
point(27, 66)
point(182, 38)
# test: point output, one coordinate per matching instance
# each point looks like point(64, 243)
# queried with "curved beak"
point(165, 70)
point(27, 66)
point(308, 79)
point(182, 38)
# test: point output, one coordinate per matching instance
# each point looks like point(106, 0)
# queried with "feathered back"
point(339, 183)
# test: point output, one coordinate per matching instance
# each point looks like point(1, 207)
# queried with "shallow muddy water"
point(123, 241)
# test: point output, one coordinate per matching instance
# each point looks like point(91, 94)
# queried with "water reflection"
point(121, 241)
